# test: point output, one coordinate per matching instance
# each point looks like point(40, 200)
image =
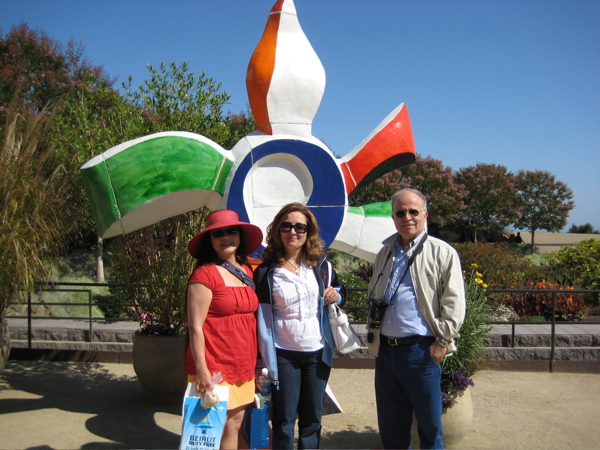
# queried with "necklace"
point(295, 266)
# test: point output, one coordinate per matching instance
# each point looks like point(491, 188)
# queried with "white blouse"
point(295, 307)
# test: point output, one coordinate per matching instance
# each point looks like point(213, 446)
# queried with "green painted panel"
point(382, 209)
point(165, 165)
point(355, 210)
point(101, 196)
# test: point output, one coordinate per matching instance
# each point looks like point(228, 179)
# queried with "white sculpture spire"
point(285, 79)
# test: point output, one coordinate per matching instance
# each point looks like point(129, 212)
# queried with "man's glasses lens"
point(402, 213)
point(221, 233)
point(300, 228)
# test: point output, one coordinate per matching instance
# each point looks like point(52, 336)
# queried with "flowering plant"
point(469, 356)
point(569, 305)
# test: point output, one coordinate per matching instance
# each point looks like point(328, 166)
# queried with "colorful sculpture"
point(143, 181)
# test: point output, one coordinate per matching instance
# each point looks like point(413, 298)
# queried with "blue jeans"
point(302, 380)
point(407, 381)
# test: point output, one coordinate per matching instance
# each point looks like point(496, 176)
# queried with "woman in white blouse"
point(293, 284)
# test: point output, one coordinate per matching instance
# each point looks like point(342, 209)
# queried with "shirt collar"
point(411, 245)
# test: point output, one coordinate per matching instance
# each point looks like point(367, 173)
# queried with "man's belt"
point(411, 340)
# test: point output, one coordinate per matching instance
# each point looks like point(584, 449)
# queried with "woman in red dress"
point(221, 310)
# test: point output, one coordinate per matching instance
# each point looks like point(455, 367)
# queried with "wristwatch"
point(442, 342)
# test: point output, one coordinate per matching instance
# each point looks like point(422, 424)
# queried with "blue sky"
point(510, 82)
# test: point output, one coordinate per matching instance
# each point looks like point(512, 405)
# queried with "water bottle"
point(265, 384)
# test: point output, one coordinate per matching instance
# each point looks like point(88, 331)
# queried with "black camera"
point(377, 309)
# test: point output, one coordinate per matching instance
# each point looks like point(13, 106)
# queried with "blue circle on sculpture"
point(328, 198)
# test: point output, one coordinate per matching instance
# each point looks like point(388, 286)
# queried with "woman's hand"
point(331, 295)
point(204, 381)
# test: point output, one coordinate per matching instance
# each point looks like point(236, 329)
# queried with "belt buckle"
point(394, 342)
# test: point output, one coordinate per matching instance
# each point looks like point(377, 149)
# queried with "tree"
point(91, 121)
point(583, 229)
point(96, 119)
point(545, 203)
point(40, 71)
point(175, 99)
point(430, 177)
point(490, 196)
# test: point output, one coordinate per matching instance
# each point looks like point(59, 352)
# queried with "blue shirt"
point(402, 317)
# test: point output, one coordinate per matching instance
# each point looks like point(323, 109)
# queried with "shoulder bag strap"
point(237, 272)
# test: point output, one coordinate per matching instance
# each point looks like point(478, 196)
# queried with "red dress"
point(229, 329)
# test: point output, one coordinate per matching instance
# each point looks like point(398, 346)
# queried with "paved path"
point(62, 405)
point(65, 405)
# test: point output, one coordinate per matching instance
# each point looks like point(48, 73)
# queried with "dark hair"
point(208, 255)
point(313, 247)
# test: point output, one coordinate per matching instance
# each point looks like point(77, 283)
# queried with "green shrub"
point(470, 354)
point(532, 319)
point(354, 298)
point(154, 265)
point(352, 272)
point(503, 268)
point(578, 265)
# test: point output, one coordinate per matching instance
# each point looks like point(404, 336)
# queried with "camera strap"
point(369, 294)
point(411, 259)
point(417, 250)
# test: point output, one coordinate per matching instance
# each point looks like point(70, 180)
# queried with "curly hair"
point(313, 247)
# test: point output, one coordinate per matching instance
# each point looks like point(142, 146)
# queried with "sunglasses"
point(300, 228)
point(220, 233)
point(401, 214)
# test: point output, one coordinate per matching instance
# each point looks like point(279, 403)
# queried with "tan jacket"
point(439, 286)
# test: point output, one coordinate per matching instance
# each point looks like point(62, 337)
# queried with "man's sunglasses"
point(300, 228)
point(220, 233)
point(401, 214)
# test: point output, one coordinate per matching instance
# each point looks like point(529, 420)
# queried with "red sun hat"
point(226, 218)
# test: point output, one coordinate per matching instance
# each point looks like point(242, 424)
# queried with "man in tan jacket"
point(417, 306)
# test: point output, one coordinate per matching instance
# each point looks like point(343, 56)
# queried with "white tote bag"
point(344, 336)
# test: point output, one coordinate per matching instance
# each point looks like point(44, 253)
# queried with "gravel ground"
point(517, 410)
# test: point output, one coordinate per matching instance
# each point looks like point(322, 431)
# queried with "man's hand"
point(437, 352)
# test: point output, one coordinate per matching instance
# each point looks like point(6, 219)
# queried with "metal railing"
point(553, 293)
point(52, 287)
point(513, 324)
point(55, 287)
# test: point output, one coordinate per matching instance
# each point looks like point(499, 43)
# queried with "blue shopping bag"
point(256, 425)
point(202, 428)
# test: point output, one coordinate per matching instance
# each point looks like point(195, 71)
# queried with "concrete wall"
point(551, 242)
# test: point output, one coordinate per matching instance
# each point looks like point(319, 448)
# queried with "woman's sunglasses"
point(300, 228)
point(220, 233)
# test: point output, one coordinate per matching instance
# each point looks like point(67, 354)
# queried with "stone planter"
point(158, 362)
point(4, 343)
point(457, 421)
